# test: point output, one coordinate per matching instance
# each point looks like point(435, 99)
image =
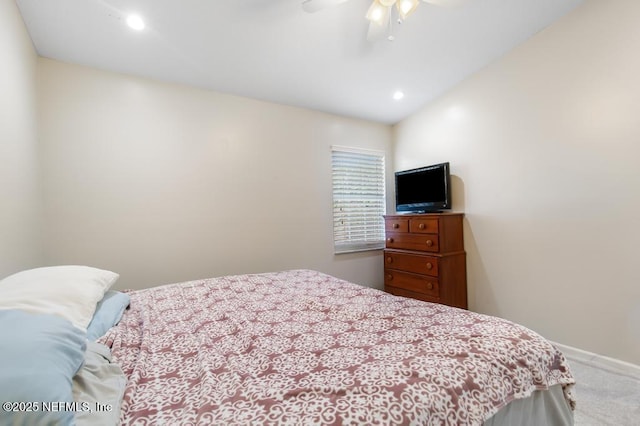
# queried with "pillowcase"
point(39, 355)
point(108, 313)
point(99, 382)
point(71, 292)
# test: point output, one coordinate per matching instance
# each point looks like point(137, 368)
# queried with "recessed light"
point(135, 22)
point(397, 95)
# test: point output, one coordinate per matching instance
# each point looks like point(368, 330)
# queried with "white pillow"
point(71, 292)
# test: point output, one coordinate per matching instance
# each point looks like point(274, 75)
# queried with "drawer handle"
point(396, 226)
point(421, 226)
point(389, 277)
point(429, 286)
point(429, 243)
point(429, 265)
point(390, 240)
point(389, 259)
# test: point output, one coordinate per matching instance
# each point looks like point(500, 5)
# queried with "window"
point(358, 199)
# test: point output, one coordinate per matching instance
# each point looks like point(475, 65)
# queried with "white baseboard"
point(600, 361)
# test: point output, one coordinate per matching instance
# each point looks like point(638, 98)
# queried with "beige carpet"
point(605, 396)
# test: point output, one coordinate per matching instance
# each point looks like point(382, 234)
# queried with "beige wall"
point(545, 149)
point(20, 224)
point(164, 183)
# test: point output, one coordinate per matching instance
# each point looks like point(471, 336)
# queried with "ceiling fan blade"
point(312, 6)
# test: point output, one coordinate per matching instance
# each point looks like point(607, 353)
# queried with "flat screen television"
point(423, 190)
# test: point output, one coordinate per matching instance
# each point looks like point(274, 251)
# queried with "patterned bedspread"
point(301, 347)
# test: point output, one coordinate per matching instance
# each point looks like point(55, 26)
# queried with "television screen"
point(424, 189)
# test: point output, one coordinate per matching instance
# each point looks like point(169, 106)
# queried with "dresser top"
point(397, 215)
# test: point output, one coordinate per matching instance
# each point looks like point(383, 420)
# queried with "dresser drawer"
point(396, 225)
point(426, 265)
point(412, 242)
point(423, 226)
point(412, 282)
point(412, 294)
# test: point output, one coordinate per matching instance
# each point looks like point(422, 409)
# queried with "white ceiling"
point(274, 51)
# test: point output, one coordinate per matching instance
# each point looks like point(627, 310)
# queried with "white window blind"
point(358, 199)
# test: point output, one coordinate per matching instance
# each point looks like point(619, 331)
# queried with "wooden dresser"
point(424, 257)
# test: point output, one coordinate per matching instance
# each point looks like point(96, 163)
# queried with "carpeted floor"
point(605, 395)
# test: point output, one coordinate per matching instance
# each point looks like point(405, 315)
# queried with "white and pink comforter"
point(301, 347)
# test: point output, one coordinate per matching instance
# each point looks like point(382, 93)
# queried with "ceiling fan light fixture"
point(377, 12)
point(381, 14)
point(406, 7)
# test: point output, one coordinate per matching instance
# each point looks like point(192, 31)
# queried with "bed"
point(301, 347)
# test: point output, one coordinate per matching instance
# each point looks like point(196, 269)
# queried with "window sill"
point(357, 250)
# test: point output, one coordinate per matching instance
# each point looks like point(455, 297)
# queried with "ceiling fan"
point(381, 14)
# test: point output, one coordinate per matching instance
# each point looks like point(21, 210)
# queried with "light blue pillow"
point(39, 355)
point(108, 312)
